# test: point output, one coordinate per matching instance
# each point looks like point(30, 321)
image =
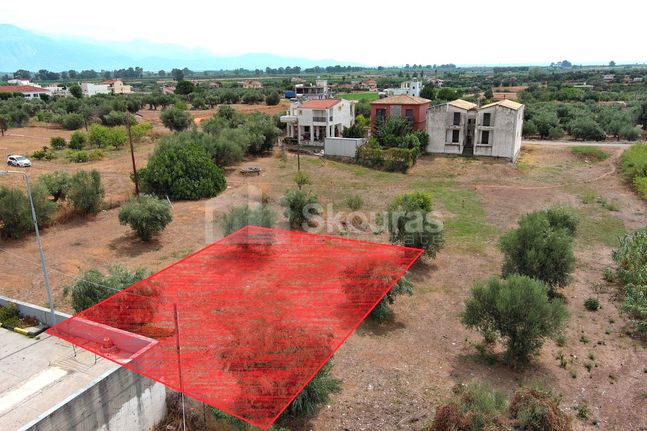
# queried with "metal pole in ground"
point(40, 247)
point(179, 363)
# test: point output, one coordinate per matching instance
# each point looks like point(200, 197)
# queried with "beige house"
point(461, 127)
point(116, 86)
point(251, 84)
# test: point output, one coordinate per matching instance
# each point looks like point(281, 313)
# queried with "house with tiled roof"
point(462, 127)
point(311, 122)
point(413, 108)
point(28, 91)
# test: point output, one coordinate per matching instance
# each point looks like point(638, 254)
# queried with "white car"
point(20, 161)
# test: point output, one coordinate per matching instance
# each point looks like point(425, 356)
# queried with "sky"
point(367, 32)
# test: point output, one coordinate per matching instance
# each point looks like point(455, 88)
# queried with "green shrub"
point(541, 247)
point(555, 133)
point(534, 409)
point(182, 171)
point(239, 217)
point(302, 179)
point(592, 304)
point(315, 394)
point(390, 159)
point(586, 128)
point(518, 310)
point(640, 185)
point(146, 215)
point(138, 131)
point(41, 154)
point(96, 154)
point(86, 192)
point(382, 311)
point(634, 161)
point(630, 133)
point(79, 157)
point(57, 184)
point(58, 143)
point(92, 287)
point(474, 407)
point(9, 315)
point(354, 202)
point(590, 152)
point(78, 140)
point(299, 206)
point(175, 119)
point(103, 137)
point(631, 260)
point(272, 99)
point(410, 223)
point(72, 121)
point(15, 211)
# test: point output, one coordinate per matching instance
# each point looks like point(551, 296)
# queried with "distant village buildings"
point(461, 127)
point(251, 84)
point(116, 86)
point(105, 87)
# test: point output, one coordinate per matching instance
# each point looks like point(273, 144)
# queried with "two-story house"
point(407, 88)
point(414, 109)
point(461, 127)
point(311, 122)
point(116, 86)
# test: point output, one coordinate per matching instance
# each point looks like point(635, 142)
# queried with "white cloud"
point(422, 32)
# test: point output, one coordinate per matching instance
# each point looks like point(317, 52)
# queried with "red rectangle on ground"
point(246, 322)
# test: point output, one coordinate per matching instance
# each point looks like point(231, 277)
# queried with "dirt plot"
point(394, 375)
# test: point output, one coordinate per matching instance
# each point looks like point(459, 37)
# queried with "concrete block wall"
point(119, 400)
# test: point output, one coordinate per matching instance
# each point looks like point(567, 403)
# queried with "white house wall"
point(505, 133)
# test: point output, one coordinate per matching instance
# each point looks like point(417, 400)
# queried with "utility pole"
point(40, 247)
point(132, 153)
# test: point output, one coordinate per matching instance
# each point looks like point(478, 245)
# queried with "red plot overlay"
point(246, 322)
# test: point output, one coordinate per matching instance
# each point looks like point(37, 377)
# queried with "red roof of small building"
point(320, 104)
point(401, 100)
point(21, 89)
point(108, 81)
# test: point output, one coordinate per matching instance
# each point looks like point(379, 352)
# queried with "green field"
point(369, 96)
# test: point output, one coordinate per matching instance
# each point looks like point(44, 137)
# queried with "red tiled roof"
point(401, 100)
point(21, 89)
point(320, 104)
point(109, 82)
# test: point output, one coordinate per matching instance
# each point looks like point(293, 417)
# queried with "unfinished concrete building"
point(461, 127)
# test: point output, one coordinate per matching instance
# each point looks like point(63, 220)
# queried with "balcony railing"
point(319, 119)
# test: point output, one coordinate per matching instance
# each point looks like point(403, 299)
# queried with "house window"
point(485, 137)
point(457, 118)
point(409, 114)
point(380, 114)
point(486, 118)
point(455, 136)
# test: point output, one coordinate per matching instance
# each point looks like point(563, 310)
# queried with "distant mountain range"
point(24, 49)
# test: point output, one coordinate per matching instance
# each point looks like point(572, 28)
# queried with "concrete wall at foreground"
point(120, 400)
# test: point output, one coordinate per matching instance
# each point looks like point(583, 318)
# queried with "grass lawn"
point(369, 96)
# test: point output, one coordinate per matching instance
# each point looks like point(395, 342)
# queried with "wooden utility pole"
point(132, 153)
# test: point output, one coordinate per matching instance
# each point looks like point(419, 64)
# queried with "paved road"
point(578, 143)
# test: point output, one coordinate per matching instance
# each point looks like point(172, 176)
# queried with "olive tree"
point(92, 287)
point(410, 223)
point(241, 216)
point(516, 309)
point(542, 246)
point(146, 215)
point(175, 119)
